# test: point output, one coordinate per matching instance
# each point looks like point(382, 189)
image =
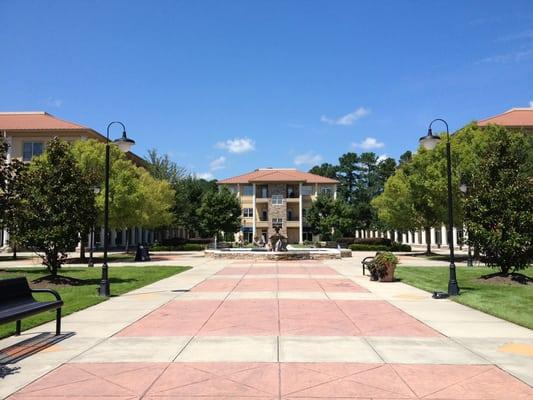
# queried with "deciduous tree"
point(53, 203)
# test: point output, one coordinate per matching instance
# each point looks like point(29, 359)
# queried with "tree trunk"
point(428, 240)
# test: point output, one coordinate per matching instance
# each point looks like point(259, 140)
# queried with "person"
point(269, 246)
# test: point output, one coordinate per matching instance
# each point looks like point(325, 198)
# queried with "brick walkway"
point(286, 330)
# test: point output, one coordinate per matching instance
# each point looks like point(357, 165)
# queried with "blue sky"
point(225, 87)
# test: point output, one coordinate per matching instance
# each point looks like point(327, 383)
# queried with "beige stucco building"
point(27, 133)
point(278, 197)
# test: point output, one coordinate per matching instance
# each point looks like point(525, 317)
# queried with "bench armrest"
point(367, 258)
point(52, 291)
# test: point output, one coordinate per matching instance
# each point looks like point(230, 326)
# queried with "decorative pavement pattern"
point(278, 330)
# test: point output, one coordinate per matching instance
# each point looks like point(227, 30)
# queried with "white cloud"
point(204, 175)
point(531, 104)
point(217, 163)
point(369, 143)
point(309, 158)
point(57, 103)
point(347, 119)
point(237, 145)
point(382, 157)
point(515, 56)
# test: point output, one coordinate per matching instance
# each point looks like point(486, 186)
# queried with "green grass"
point(512, 302)
point(122, 280)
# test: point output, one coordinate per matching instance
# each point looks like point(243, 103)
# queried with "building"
point(515, 118)
point(27, 133)
point(278, 197)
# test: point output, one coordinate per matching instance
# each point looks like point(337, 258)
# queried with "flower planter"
point(389, 276)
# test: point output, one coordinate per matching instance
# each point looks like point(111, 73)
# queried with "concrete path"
point(273, 330)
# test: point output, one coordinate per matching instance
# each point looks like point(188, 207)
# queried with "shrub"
point(346, 240)
point(368, 247)
point(395, 246)
point(173, 241)
point(191, 247)
point(204, 241)
point(374, 241)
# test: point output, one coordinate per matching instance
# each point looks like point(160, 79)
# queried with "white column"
point(113, 238)
point(334, 192)
point(444, 235)
point(9, 141)
point(433, 235)
point(254, 212)
point(301, 237)
point(454, 233)
point(423, 236)
point(6, 237)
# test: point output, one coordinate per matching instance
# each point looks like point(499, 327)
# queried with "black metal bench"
point(367, 262)
point(17, 302)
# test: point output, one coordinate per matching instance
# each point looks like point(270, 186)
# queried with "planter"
point(389, 275)
point(374, 276)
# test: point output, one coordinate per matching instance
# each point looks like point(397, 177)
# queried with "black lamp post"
point(124, 143)
point(429, 142)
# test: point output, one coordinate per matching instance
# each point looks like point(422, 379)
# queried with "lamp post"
point(430, 142)
point(124, 143)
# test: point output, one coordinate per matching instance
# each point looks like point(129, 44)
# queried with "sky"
point(225, 87)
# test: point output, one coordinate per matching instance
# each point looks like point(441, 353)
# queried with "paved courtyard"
point(273, 330)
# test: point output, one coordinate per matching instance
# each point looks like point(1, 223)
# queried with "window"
point(307, 235)
point(277, 221)
point(307, 190)
point(263, 192)
point(248, 190)
point(232, 188)
point(31, 149)
point(277, 199)
point(247, 212)
point(264, 215)
point(326, 190)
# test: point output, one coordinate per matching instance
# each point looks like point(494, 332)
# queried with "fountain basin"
point(263, 254)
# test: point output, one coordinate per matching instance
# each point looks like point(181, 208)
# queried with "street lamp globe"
point(124, 143)
point(429, 141)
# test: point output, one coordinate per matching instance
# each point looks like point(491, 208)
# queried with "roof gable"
point(518, 117)
point(265, 175)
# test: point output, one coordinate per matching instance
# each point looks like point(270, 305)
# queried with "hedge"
point(380, 247)
point(181, 247)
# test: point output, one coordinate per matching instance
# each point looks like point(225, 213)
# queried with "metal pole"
point(104, 289)
point(453, 287)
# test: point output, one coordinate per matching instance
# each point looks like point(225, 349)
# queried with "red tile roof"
point(264, 175)
point(33, 121)
point(515, 117)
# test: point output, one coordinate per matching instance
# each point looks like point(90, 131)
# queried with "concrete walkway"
point(273, 330)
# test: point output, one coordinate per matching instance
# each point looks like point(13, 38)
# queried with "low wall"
point(330, 254)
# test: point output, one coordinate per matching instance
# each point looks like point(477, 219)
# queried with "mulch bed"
point(514, 278)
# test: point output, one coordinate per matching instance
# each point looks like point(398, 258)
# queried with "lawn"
point(122, 280)
point(512, 302)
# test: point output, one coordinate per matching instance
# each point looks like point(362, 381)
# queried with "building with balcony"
point(278, 197)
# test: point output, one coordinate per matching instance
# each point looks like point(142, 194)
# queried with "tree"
point(157, 201)
point(220, 212)
point(53, 202)
point(328, 217)
point(8, 173)
point(325, 170)
point(499, 203)
point(189, 194)
point(161, 167)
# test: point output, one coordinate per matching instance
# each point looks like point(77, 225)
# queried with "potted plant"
point(383, 266)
